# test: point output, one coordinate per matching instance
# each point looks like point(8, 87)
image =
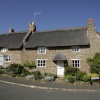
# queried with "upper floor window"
point(75, 48)
point(41, 50)
point(3, 49)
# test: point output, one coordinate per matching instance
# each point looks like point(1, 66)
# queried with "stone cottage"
point(51, 50)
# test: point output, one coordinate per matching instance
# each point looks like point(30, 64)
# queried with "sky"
point(55, 14)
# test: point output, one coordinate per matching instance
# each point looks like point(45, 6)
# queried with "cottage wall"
point(15, 57)
point(83, 54)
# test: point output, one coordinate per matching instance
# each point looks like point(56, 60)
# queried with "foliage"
point(25, 72)
point(79, 75)
point(37, 75)
point(69, 78)
point(94, 63)
point(49, 74)
point(16, 69)
point(93, 75)
point(71, 70)
point(1, 72)
point(30, 65)
point(85, 78)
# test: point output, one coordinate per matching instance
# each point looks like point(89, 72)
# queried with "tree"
point(94, 63)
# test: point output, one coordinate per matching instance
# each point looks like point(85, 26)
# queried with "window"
point(41, 63)
point(75, 48)
point(7, 58)
point(3, 49)
point(76, 63)
point(41, 50)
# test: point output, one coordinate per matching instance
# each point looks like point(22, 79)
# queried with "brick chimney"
point(11, 30)
point(32, 27)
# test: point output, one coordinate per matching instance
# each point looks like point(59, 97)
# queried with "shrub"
point(16, 70)
point(85, 78)
point(25, 72)
point(69, 78)
point(79, 75)
point(1, 72)
point(93, 75)
point(94, 63)
point(37, 75)
point(30, 65)
point(71, 70)
point(49, 74)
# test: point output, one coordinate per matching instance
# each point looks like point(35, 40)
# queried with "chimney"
point(32, 27)
point(90, 21)
point(11, 30)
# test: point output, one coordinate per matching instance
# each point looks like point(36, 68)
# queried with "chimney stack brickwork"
point(32, 27)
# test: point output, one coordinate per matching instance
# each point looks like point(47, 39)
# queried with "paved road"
point(14, 92)
point(51, 84)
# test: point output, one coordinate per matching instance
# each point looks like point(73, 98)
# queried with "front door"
point(1, 60)
point(60, 68)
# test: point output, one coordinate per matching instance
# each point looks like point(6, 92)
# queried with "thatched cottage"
point(51, 50)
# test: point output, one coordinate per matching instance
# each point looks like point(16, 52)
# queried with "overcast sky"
point(55, 14)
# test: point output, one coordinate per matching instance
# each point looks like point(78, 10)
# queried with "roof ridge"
point(14, 33)
point(64, 29)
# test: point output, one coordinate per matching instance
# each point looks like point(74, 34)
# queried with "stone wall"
point(83, 54)
point(15, 57)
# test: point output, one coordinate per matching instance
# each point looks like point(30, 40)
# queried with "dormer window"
point(3, 49)
point(75, 48)
point(41, 50)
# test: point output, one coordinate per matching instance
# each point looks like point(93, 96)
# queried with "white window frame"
point(7, 58)
point(3, 49)
point(41, 50)
point(75, 49)
point(76, 63)
point(40, 62)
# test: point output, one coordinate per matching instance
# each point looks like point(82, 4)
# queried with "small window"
point(41, 63)
point(41, 50)
point(3, 49)
point(76, 63)
point(75, 48)
point(7, 58)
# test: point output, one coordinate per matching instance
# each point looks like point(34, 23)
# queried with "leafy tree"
point(94, 63)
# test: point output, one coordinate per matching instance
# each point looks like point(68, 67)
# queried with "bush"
point(69, 78)
point(94, 63)
point(93, 75)
point(30, 65)
point(16, 70)
point(71, 70)
point(1, 72)
point(25, 72)
point(79, 75)
point(85, 78)
point(37, 75)
point(49, 74)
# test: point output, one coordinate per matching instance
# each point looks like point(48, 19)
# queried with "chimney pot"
point(90, 20)
point(11, 30)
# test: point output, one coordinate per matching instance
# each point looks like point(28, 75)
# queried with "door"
point(1, 60)
point(60, 68)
